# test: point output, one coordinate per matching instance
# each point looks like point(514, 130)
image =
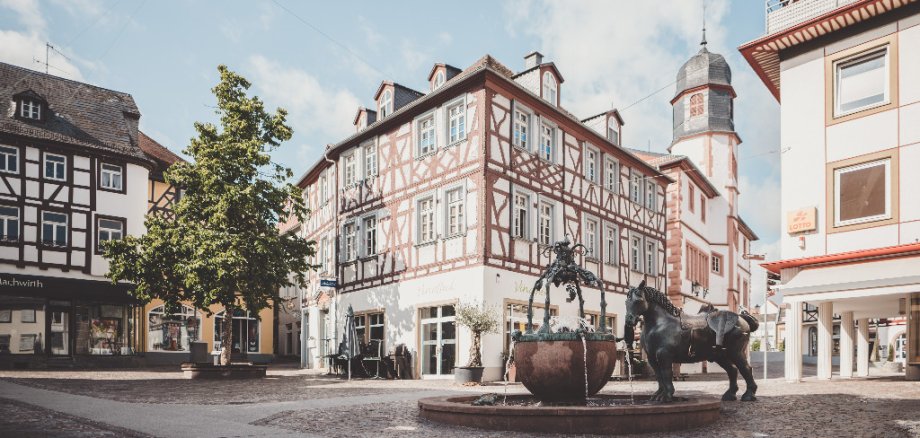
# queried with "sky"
point(322, 60)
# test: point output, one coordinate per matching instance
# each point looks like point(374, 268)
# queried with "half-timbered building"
point(71, 176)
point(453, 195)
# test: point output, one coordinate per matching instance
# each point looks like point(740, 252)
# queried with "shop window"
point(29, 342)
point(244, 332)
point(594, 319)
point(4, 344)
point(172, 331)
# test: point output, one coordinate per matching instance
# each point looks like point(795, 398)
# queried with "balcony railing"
point(783, 14)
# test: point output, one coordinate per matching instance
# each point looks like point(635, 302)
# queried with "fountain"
point(564, 366)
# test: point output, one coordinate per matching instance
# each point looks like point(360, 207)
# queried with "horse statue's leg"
point(666, 370)
point(745, 369)
point(732, 372)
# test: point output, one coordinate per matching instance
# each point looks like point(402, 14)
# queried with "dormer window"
point(30, 109)
point(386, 104)
point(549, 88)
point(613, 131)
point(439, 80)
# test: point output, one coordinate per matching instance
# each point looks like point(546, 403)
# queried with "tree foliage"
point(479, 319)
point(223, 245)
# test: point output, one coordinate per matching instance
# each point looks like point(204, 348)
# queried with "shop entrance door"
point(59, 331)
point(439, 341)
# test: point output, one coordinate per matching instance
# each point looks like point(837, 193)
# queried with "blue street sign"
point(328, 283)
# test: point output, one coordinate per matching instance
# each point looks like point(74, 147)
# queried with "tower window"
point(696, 105)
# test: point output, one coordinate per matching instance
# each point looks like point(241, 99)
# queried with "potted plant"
point(479, 319)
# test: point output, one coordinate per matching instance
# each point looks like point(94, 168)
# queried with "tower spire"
point(703, 43)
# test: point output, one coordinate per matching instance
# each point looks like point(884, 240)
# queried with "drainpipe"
point(335, 246)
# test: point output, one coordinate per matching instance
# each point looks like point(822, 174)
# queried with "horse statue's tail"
point(751, 320)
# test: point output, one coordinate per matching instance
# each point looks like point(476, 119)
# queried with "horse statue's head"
point(636, 303)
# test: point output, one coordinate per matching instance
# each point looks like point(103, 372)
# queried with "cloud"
point(23, 47)
point(315, 110)
point(412, 56)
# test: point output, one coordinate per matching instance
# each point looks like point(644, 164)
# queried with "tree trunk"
point(475, 355)
point(226, 336)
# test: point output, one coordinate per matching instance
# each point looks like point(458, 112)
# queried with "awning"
point(891, 274)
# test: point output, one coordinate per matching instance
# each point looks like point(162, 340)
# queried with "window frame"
point(5, 220)
point(369, 248)
point(460, 104)
point(516, 140)
point(5, 157)
point(650, 260)
point(696, 109)
point(613, 128)
point(716, 261)
point(551, 222)
point(349, 241)
point(369, 151)
point(66, 225)
point(651, 195)
point(439, 79)
point(541, 151)
point(121, 174)
point(421, 239)
point(350, 168)
point(550, 88)
point(891, 42)
point(461, 211)
point(890, 165)
point(636, 187)
point(611, 176)
point(884, 52)
point(385, 107)
point(591, 238)
point(636, 252)
point(592, 166)
point(45, 157)
point(98, 226)
point(520, 227)
point(35, 109)
point(429, 116)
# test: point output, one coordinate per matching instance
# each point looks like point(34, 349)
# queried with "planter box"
point(232, 371)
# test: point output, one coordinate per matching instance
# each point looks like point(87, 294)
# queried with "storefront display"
point(245, 332)
point(172, 332)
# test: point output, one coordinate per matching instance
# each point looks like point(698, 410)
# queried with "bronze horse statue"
point(669, 336)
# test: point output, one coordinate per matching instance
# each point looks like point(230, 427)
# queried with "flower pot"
point(468, 374)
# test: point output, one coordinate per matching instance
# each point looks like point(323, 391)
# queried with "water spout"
point(584, 345)
point(508, 371)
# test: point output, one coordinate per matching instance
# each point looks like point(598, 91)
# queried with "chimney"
point(532, 60)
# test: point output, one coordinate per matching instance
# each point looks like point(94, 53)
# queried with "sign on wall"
point(802, 220)
point(328, 283)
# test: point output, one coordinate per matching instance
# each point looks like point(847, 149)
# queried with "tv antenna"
point(48, 49)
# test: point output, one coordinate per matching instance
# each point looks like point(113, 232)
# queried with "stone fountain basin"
point(622, 418)
point(552, 367)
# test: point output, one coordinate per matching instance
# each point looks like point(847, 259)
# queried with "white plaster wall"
point(802, 138)
point(693, 148)
point(862, 135)
point(910, 122)
point(909, 65)
point(132, 205)
point(910, 180)
point(875, 237)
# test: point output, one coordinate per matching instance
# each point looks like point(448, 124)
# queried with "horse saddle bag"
point(721, 323)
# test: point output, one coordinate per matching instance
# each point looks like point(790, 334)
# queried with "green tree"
point(479, 319)
point(223, 245)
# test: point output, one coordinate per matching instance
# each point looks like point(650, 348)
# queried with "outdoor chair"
point(375, 354)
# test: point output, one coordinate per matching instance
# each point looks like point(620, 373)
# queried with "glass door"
point(60, 332)
point(439, 341)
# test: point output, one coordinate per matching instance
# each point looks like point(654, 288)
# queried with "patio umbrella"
point(350, 338)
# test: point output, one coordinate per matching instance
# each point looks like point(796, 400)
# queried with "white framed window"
point(547, 142)
point(9, 224)
point(349, 234)
point(439, 80)
point(550, 89)
point(9, 159)
point(861, 82)
point(521, 130)
point(386, 104)
point(323, 189)
point(55, 167)
point(521, 220)
point(306, 197)
point(651, 195)
point(349, 169)
point(613, 131)
point(716, 263)
point(611, 244)
point(546, 221)
point(456, 122)
point(862, 193)
point(455, 207)
point(325, 254)
point(370, 160)
point(110, 229)
point(591, 163)
point(635, 187)
point(30, 109)
point(54, 228)
point(425, 135)
point(111, 177)
point(651, 256)
point(590, 238)
point(611, 174)
point(370, 235)
point(635, 252)
point(425, 217)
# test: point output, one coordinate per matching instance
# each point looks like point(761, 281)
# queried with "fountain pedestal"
point(554, 370)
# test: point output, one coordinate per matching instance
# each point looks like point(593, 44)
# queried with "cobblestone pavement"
point(296, 402)
point(26, 421)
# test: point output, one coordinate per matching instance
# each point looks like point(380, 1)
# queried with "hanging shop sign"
point(328, 283)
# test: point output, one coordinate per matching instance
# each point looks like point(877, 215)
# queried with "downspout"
point(335, 245)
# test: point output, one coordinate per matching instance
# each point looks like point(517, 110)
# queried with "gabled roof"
point(358, 113)
point(545, 64)
point(396, 85)
point(614, 112)
point(746, 230)
point(159, 154)
point(78, 114)
point(451, 71)
point(686, 166)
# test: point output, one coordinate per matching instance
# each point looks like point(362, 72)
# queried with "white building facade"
point(848, 79)
point(452, 196)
